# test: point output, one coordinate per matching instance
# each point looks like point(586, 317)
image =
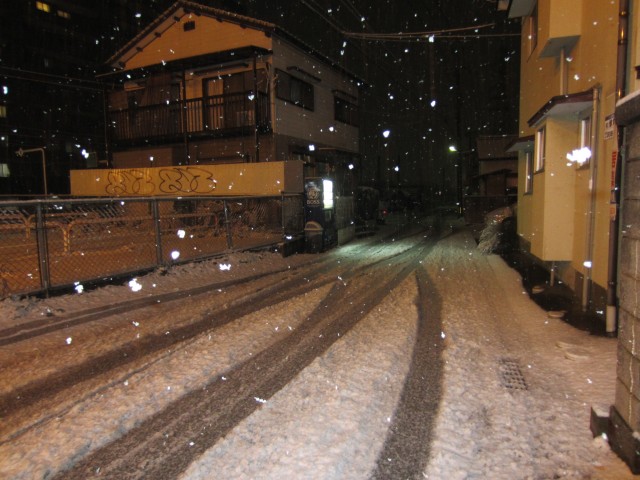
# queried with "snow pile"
point(490, 235)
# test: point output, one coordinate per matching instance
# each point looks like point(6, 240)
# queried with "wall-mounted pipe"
point(593, 177)
point(614, 223)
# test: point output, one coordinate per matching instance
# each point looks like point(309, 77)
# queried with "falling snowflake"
point(134, 285)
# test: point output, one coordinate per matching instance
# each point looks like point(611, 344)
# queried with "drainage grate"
point(510, 375)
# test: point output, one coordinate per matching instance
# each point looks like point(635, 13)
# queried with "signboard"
point(238, 179)
point(609, 127)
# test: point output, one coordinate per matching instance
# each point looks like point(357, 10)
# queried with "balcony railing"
point(221, 114)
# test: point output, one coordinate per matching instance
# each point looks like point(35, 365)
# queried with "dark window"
point(294, 90)
point(345, 111)
point(189, 26)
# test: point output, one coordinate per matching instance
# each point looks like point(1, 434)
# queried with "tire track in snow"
point(164, 445)
point(406, 450)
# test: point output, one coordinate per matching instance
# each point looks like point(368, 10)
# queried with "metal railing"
point(47, 244)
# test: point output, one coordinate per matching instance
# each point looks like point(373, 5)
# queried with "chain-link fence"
point(45, 244)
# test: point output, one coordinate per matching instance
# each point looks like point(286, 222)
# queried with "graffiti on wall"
point(264, 178)
point(171, 181)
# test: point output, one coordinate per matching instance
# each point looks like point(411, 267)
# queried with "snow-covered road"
point(328, 383)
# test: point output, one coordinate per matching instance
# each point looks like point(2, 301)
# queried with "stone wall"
point(624, 419)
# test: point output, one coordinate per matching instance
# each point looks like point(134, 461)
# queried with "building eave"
point(182, 8)
point(521, 144)
point(562, 105)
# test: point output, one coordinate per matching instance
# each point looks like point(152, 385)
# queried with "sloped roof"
point(494, 147)
point(185, 7)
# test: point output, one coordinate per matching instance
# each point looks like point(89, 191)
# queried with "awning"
point(521, 144)
point(563, 105)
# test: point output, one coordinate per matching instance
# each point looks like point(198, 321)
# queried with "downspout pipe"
point(614, 222)
point(593, 177)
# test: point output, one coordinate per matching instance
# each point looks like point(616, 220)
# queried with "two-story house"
point(579, 165)
point(203, 86)
point(567, 143)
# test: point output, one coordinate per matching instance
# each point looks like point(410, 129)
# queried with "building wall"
point(628, 389)
point(209, 35)
point(624, 423)
point(319, 126)
point(590, 63)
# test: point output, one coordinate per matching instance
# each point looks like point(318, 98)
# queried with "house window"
point(532, 29)
point(294, 90)
point(63, 14)
point(540, 149)
point(528, 172)
point(43, 7)
point(3, 111)
point(345, 111)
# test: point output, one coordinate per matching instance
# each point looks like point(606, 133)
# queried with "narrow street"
point(335, 292)
point(379, 359)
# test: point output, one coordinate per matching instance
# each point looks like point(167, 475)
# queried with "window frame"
point(528, 172)
point(345, 111)
point(295, 91)
point(532, 29)
point(540, 149)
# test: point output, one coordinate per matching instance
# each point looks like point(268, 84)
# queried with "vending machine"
point(320, 219)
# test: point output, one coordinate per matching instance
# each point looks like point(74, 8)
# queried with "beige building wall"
point(589, 63)
point(174, 43)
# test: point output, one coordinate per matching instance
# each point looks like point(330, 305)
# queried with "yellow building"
point(567, 139)
point(202, 86)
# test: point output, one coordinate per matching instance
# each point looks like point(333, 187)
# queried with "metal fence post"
point(282, 216)
point(43, 250)
point(227, 223)
point(155, 213)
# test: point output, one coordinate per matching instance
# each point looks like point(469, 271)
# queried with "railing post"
point(43, 250)
point(227, 223)
point(155, 213)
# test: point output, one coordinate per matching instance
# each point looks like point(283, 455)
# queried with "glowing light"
point(312, 148)
point(351, 166)
point(181, 233)
point(175, 255)
point(327, 193)
point(386, 133)
point(225, 266)
point(587, 263)
point(452, 148)
point(433, 103)
point(579, 156)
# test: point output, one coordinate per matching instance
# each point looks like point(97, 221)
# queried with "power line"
point(442, 33)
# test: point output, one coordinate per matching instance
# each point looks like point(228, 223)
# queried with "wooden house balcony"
point(213, 116)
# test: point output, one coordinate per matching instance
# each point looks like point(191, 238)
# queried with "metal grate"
point(510, 375)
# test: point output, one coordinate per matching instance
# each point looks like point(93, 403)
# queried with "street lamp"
point(20, 152)
point(458, 165)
